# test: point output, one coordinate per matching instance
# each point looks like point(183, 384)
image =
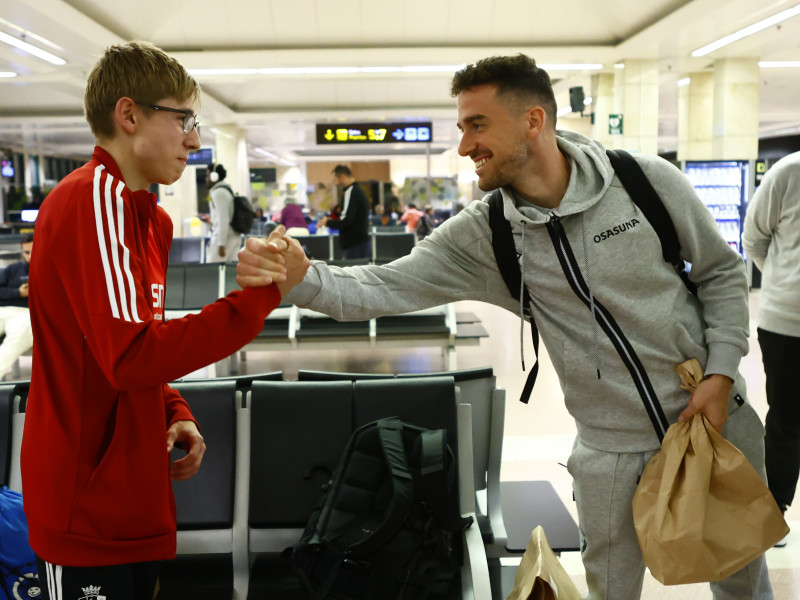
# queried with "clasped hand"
point(277, 259)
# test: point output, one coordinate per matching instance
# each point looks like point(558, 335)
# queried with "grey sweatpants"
point(604, 484)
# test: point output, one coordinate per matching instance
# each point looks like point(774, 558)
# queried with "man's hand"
point(23, 290)
point(260, 260)
point(185, 435)
point(710, 398)
point(322, 222)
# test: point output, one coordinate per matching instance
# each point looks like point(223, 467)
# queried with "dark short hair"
point(218, 169)
point(516, 77)
point(27, 238)
point(342, 170)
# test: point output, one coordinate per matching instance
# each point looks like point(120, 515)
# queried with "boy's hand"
point(261, 261)
point(185, 435)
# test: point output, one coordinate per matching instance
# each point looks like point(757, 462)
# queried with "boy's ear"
point(125, 115)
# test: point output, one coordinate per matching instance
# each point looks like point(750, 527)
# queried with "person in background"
point(15, 318)
point(101, 419)
point(771, 237)
point(614, 335)
point(292, 217)
point(224, 241)
point(427, 223)
point(411, 216)
point(353, 218)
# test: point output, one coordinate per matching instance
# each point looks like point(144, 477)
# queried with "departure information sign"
point(374, 133)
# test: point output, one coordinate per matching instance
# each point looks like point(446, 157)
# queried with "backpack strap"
point(390, 434)
point(434, 484)
point(505, 253)
point(646, 198)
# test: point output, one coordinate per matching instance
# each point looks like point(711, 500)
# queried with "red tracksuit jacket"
point(95, 469)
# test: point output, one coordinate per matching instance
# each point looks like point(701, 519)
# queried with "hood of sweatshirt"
point(590, 176)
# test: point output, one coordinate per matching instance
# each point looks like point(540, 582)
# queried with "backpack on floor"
point(643, 195)
point(18, 574)
point(243, 214)
point(387, 524)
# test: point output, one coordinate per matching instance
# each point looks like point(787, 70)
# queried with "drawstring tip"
point(598, 373)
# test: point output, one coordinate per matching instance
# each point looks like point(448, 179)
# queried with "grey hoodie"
point(635, 319)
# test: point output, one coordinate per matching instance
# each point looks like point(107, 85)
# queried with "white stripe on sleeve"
point(126, 253)
point(101, 240)
point(114, 246)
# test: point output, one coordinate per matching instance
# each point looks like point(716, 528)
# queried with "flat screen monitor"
point(28, 215)
point(7, 168)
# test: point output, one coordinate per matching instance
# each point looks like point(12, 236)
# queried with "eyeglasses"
point(190, 120)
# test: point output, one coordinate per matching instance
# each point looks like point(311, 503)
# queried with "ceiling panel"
point(282, 110)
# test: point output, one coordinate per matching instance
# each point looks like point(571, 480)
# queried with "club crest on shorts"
point(92, 593)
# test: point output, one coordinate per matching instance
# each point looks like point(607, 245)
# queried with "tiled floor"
point(539, 435)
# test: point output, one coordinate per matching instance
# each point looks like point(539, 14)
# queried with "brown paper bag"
point(701, 511)
point(540, 576)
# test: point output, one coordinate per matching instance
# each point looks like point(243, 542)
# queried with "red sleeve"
point(100, 251)
point(177, 409)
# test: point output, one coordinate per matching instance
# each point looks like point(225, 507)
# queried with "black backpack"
point(643, 195)
point(243, 213)
point(387, 525)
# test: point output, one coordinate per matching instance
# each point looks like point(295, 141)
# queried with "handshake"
point(278, 259)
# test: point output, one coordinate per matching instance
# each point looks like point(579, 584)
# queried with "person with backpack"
point(614, 315)
point(225, 241)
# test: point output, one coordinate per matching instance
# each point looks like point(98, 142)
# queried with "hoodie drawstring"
point(591, 296)
point(521, 300)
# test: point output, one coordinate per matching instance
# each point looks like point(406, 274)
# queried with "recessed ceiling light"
point(746, 31)
point(31, 49)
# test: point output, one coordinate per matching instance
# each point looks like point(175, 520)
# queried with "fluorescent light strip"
point(563, 111)
point(353, 70)
point(685, 81)
point(779, 64)
point(749, 30)
point(7, 74)
point(31, 49)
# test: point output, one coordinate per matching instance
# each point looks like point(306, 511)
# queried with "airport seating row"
point(273, 443)
point(192, 286)
point(386, 246)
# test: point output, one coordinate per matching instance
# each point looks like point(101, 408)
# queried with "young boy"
point(101, 419)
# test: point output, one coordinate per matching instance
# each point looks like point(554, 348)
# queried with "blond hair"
point(140, 71)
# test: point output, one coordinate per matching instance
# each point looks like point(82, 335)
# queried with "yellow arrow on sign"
point(329, 135)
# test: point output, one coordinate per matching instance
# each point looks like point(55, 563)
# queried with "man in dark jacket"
point(15, 318)
point(353, 221)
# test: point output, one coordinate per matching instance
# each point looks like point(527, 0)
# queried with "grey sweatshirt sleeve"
point(717, 269)
point(454, 263)
point(761, 220)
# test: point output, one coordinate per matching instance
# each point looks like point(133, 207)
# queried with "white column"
point(232, 154)
point(602, 107)
point(696, 118)
point(640, 113)
point(736, 82)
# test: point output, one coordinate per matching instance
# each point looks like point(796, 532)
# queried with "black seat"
point(316, 246)
point(389, 246)
point(310, 375)
point(298, 430)
point(6, 410)
point(203, 568)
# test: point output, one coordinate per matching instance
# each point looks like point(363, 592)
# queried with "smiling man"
point(614, 316)
point(101, 419)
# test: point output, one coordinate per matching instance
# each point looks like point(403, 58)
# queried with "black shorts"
point(136, 581)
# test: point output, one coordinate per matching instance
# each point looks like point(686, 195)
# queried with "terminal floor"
point(538, 436)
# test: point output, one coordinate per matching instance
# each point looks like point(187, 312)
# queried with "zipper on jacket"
point(571, 269)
